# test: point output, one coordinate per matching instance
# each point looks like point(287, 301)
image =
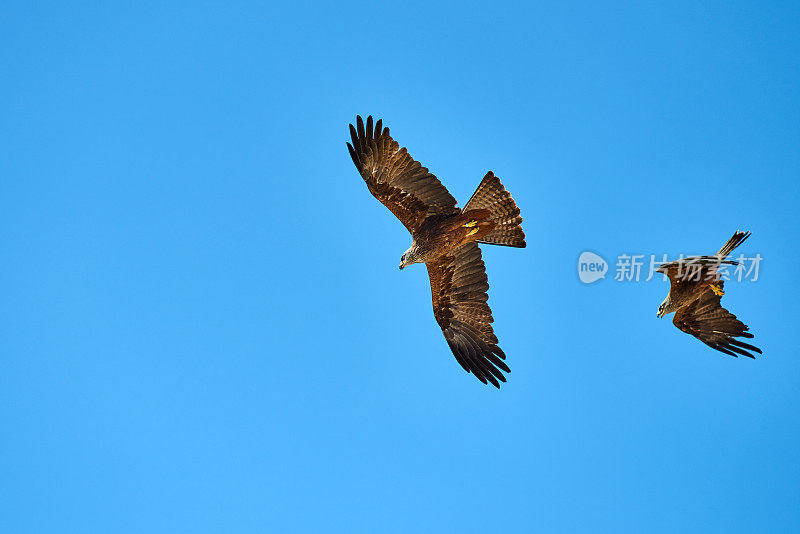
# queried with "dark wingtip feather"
point(500, 364)
point(738, 350)
point(744, 345)
point(736, 239)
point(353, 155)
point(360, 124)
point(722, 349)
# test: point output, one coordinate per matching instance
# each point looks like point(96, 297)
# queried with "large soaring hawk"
point(446, 239)
point(695, 291)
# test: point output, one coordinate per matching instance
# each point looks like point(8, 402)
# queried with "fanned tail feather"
point(505, 214)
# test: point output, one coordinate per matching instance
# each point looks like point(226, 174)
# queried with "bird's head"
point(665, 307)
point(410, 256)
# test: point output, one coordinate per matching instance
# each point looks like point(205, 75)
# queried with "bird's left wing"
point(458, 290)
point(395, 178)
point(708, 321)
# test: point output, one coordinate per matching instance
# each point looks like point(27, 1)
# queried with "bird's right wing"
point(693, 269)
point(698, 268)
point(736, 239)
point(708, 321)
point(395, 178)
point(458, 290)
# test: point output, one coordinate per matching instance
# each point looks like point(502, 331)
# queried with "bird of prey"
point(446, 239)
point(695, 291)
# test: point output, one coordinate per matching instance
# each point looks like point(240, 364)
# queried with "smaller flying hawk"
point(445, 239)
point(695, 291)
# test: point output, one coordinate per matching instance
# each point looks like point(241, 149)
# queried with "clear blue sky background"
point(203, 328)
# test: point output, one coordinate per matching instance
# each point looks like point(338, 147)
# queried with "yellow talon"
point(717, 290)
point(471, 223)
point(473, 231)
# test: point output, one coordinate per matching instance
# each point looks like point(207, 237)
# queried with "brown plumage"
point(446, 239)
point(695, 292)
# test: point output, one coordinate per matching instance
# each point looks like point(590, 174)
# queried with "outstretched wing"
point(698, 268)
point(458, 289)
point(708, 321)
point(693, 269)
point(395, 178)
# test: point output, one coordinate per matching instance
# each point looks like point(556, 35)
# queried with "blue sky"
point(204, 328)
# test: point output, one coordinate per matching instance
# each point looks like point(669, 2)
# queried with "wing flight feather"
point(401, 183)
point(459, 291)
point(708, 321)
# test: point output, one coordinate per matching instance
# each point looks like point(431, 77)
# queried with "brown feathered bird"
point(695, 291)
point(446, 239)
